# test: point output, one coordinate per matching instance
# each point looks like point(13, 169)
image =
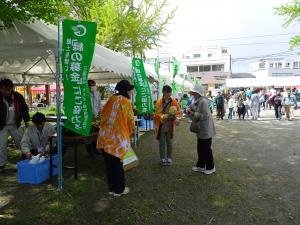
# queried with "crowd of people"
point(241, 103)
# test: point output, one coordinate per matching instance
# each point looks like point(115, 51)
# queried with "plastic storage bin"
point(36, 173)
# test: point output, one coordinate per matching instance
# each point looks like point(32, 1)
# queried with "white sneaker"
point(209, 172)
point(125, 192)
point(198, 169)
point(169, 162)
point(163, 162)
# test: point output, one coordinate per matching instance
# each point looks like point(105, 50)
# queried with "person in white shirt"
point(36, 138)
point(95, 98)
point(96, 109)
point(230, 107)
point(289, 102)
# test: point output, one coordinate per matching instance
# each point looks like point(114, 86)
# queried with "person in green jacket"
point(184, 103)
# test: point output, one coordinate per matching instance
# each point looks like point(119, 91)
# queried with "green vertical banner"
point(175, 67)
point(143, 99)
point(77, 54)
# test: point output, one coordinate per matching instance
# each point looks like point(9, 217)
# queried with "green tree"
point(291, 12)
point(124, 26)
point(29, 10)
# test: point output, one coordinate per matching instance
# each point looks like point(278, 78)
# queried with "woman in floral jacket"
point(116, 126)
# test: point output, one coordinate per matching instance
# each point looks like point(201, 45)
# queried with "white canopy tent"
point(27, 55)
point(166, 77)
point(263, 82)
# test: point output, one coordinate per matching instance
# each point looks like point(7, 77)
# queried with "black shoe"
point(2, 168)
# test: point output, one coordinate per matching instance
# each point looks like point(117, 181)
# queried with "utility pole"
point(230, 62)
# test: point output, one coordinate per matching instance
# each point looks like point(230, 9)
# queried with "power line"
point(285, 53)
point(235, 38)
point(225, 46)
point(240, 59)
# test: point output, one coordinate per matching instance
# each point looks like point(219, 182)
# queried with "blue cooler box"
point(36, 173)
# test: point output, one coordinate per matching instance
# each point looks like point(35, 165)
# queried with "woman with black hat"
point(116, 126)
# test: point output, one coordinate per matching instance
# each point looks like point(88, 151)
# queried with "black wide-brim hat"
point(124, 86)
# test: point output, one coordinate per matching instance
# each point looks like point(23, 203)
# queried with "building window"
point(295, 64)
point(205, 86)
point(205, 68)
point(218, 67)
point(187, 57)
point(271, 65)
point(224, 51)
point(197, 56)
point(279, 65)
point(287, 65)
point(262, 65)
point(191, 69)
point(209, 55)
point(217, 86)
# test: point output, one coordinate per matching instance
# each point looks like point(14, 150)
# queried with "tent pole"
point(32, 66)
point(58, 109)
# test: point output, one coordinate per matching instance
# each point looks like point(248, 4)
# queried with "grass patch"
point(237, 194)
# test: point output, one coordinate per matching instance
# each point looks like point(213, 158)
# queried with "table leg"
point(146, 123)
point(137, 135)
point(75, 163)
point(50, 154)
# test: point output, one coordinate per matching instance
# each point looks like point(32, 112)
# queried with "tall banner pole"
point(58, 108)
point(158, 76)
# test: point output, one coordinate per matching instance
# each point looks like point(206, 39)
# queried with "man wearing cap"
point(116, 126)
point(13, 109)
point(203, 125)
point(164, 123)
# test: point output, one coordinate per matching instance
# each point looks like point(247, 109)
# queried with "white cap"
point(198, 88)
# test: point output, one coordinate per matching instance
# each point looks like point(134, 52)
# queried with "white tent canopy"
point(27, 55)
point(166, 77)
point(263, 82)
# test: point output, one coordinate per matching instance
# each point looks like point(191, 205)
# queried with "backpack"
point(241, 98)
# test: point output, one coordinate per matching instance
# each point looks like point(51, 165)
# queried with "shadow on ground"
point(257, 182)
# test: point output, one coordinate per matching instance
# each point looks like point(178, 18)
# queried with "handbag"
point(195, 127)
point(160, 125)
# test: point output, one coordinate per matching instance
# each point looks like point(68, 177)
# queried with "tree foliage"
point(124, 26)
point(30, 10)
point(291, 12)
point(128, 26)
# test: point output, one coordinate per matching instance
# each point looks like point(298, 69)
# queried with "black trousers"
point(205, 156)
point(220, 112)
point(115, 173)
point(277, 109)
point(242, 112)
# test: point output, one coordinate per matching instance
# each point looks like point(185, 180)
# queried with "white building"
point(270, 72)
point(277, 67)
point(211, 66)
